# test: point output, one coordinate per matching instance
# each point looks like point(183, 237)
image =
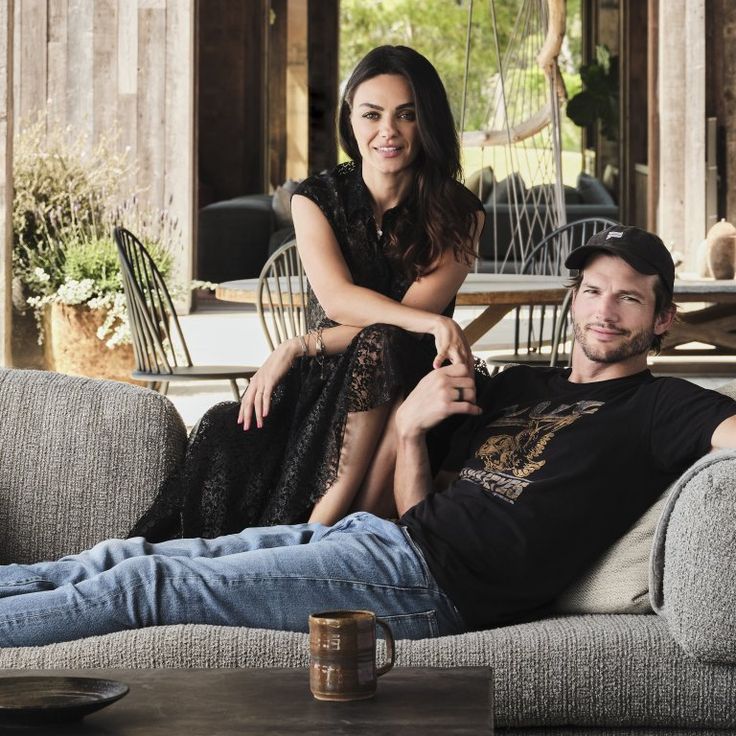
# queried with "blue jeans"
point(270, 577)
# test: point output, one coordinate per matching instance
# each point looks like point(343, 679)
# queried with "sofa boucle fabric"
point(615, 670)
point(80, 460)
point(693, 574)
point(613, 732)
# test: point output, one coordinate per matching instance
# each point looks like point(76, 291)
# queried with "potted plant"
point(598, 100)
point(65, 264)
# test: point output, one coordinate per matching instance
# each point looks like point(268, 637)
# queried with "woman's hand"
point(451, 344)
point(257, 397)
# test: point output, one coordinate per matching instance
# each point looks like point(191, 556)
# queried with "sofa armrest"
point(693, 563)
point(80, 460)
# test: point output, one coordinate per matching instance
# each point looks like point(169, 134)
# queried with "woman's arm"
point(256, 400)
point(423, 300)
point(348, 304)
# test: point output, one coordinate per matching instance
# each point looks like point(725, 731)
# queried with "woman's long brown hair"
point(444, 212)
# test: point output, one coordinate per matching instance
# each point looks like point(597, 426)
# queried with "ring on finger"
point(460, 395)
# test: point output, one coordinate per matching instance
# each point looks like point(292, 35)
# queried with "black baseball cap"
point(641, 249)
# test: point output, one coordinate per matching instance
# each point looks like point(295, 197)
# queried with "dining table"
point(709, 319)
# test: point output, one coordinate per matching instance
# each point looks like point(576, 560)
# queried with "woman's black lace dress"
point(232, 479)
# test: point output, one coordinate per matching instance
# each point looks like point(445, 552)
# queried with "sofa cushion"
point(80, 460)
point(592, 191)
point(510, 190)
point(619, 581)
point(281, 203)
point(542, 193)
point(232, 237)
point(481, 183)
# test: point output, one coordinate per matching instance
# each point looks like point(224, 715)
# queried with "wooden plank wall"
point(117, 65)
point(6, 176)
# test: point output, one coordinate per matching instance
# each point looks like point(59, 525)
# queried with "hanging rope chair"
point(522, 138)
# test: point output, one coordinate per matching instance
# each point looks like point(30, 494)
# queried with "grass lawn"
point(477, 158)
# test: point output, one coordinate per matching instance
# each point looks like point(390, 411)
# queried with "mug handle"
point(389, 648)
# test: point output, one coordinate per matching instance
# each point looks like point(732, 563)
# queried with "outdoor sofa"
point(236, 236)
point(81, 458)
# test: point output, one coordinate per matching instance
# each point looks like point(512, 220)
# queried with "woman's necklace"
point(379, 229)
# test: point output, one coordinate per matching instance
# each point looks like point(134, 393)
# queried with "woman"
point(386, 240)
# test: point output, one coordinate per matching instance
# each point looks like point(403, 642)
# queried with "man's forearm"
point(412, 478)
point(441, 393)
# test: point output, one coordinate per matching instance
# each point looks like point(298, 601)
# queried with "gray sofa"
point(528, 221)
point(80, 459)
point(236, 236)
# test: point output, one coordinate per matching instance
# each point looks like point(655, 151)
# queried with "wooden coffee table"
point(269, 702)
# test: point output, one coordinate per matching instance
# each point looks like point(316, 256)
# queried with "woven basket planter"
point(76, 350)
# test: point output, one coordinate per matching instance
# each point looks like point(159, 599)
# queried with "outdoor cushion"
point(619, 581)
point(542, 193)
point(592, 191)
point(481, 183)
point(281, 203)
point(510, 190)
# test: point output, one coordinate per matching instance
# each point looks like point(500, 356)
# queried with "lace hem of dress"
point(232, 479)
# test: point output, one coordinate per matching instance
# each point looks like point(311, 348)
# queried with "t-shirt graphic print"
point(514, 449)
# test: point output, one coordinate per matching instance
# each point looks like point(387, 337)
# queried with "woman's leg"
point(279, 577)
point(363, 431)
point(376, 493)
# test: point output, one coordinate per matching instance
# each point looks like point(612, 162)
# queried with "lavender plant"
point(67, 201)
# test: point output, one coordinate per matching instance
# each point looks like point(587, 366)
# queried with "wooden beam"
point(324, 73)
point(721, 99)
point(6, 177)
point(297, 91)
point(277, 44)
point(652, 114)
point(633, 123)
point(681, 210)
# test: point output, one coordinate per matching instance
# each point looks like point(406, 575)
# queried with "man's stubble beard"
point(634, 344)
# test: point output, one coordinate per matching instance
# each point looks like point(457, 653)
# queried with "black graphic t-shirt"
point(551, 474)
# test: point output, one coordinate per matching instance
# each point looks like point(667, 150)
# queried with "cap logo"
point(614, 234)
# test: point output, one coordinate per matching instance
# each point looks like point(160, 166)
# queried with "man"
point(551, 467)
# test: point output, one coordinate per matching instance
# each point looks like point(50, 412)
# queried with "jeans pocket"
point(420, 625)
point(429, 581)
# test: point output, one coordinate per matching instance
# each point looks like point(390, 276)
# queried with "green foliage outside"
point(65, 205)
point(598, 100)
point(437, 29)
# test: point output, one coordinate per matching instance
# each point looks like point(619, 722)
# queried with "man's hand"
point(441, 393)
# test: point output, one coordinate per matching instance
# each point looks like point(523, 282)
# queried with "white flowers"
point(114, 330)
point(75, 292)
point(41, 275)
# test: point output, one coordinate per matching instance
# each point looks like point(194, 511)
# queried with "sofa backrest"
point(80, 460)
point(501, 227)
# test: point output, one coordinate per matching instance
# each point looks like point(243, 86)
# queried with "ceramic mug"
point(342, 648)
